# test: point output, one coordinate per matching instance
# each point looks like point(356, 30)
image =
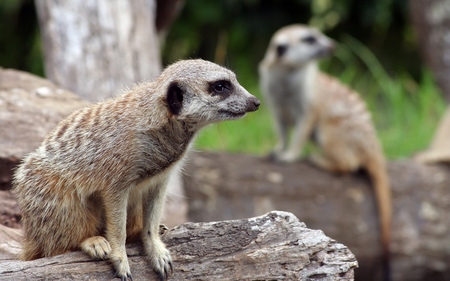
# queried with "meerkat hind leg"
point(328, 164)
point(322, 162)
point(97, 247)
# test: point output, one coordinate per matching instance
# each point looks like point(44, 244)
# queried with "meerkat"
point(99, 178)
point(317, 106)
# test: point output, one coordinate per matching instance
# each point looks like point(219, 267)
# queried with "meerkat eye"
point(221, 87)
point(309, 39)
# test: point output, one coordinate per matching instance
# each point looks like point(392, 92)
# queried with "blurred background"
point(378, 55)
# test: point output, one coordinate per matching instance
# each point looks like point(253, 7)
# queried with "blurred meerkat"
point(317, 105)
point(99, 178)
point(439, 150)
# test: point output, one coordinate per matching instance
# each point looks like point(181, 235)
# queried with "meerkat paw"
point(120, 263)
point(162, 229)
point(285, 157)
point(97, 247)
point(160, 260)
point(272, 156)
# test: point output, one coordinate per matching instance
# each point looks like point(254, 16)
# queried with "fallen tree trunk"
point(223, 186)
point(275, 246)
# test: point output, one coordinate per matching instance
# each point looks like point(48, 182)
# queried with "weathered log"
point(10, 242)
point(226, 186)
point(275, 246)
point(10, 214)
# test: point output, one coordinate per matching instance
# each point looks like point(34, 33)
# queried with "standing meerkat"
point(317, 105)
point(99, 178)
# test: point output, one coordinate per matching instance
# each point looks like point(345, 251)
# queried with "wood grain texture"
point(275, 246)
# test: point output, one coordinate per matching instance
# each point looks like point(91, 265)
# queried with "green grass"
point(405, 112)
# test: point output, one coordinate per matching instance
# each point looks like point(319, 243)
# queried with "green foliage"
point(20, 42)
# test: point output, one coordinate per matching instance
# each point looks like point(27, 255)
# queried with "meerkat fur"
point(100, 177)
point(317, 106)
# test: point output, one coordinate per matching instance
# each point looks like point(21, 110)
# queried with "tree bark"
point(95, 48)
point(226, 186)
point(275, 246)
point(432, 24)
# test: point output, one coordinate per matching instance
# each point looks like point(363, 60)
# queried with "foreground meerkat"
point(99, 178)
point(318, 106)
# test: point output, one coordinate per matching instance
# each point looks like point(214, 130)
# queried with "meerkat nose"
point(281, 49)
point(254, 104)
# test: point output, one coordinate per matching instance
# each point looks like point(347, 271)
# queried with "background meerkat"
point(315, 104)
point(100, 177)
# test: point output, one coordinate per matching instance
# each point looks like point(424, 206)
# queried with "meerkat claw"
point(122, 277)
point(162, 229)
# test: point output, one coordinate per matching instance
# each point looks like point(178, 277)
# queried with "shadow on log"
point(223, 186)
point(275, 246)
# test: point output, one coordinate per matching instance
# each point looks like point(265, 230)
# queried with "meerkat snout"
point(281, 49)
point(253, 104)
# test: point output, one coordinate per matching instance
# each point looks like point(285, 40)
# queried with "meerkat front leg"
point(116, 232)
point(281, 128)
point(302, 131)
point(157, 253)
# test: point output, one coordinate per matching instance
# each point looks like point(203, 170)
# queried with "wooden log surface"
point(275, 246)
point(222, 186)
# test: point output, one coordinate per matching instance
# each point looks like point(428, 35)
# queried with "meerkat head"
point(204, 92)
point(296, 45)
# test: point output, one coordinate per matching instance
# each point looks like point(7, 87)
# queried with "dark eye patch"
point(221, 87)
point(309, 39)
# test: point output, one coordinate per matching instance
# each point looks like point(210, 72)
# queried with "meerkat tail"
point(377, 171)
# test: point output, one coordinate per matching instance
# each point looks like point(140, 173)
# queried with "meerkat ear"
point(175, 98)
